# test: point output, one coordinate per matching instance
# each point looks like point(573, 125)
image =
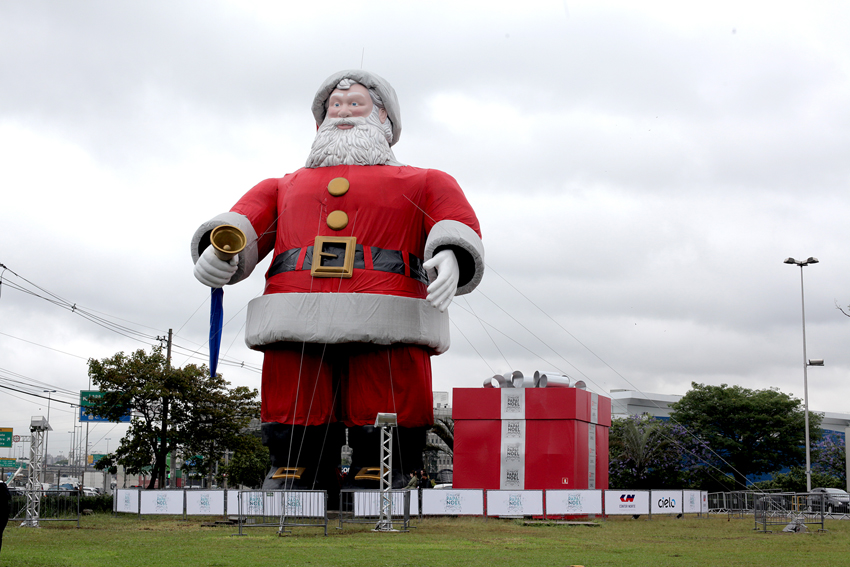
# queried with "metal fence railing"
point(789, 510)
point(282, 509)
point(50, 506)
point(364, 507)
point(773, 508)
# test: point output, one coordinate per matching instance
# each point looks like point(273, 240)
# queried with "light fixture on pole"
point(806, 364)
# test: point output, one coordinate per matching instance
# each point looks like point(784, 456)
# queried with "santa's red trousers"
point(315, 384)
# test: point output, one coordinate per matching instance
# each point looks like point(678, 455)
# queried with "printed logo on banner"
point(454, 503)
point(205, 503)
point(692, 502)
point(161, 503)
point(513, 453)
point(512, 478)
point(255, 504)
point(594, 408)
point(666, 502)
point(627, 498)
point(591, 456)
point(514, 429)
point(573, 502)
point(513, 404)
point(515, 504)
point(127, 500)
point(293, 505)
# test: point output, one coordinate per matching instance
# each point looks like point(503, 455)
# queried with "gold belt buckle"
point(321, 247)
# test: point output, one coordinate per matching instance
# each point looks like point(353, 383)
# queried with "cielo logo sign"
point(627, 498)
point(666, 502)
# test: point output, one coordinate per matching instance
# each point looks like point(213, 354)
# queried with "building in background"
point(436, 461)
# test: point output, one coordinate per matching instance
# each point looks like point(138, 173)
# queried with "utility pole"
point(164, 443)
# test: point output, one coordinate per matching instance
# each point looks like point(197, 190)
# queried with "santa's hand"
point(213, 271)
point(444, 285)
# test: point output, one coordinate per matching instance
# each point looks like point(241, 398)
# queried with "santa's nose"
point(344, 112)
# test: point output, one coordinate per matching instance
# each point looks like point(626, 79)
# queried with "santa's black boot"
point(408, 444)
point(285, 444)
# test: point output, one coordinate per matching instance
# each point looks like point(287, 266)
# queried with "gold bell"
point(228, 241)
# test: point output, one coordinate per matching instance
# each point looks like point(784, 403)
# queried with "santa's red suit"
point(345, 348)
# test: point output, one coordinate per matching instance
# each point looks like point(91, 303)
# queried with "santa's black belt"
point(383, 260)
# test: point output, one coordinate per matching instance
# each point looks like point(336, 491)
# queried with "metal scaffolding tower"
point(386, 421)
point(38, 427)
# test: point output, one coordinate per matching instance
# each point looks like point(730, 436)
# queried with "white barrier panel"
point(127, 500)
point(232, 501)
point(161, 502)
point(704, 505)
point(259, 503)
point(304, 504)
point(666, 501)
point(573, 502)
point(514, 502)
point(367, 503)
point(691, 501)
point(204, 503)
point(251, 504)
point(626, 502)
point(453, 502)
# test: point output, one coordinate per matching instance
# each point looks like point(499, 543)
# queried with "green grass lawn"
point(151, 541)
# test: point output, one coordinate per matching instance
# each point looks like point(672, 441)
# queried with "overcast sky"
point(640, 171)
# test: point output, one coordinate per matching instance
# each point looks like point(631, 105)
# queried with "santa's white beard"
point(364, 144)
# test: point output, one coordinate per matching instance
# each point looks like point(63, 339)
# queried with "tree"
point(173, 409)
point(249, 463)
point(645, 452)
point(638, 450)
point(753, 431)
point(795, 481)
point(828, 457)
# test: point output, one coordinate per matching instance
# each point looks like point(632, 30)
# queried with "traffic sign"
point(5, 436)
point(16, 438)
point(8, 463)
point(85, 397)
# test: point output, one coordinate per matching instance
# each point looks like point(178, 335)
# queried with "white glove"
point(212, 271)
point(444, 283)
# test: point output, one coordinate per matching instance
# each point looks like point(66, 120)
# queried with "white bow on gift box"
point(515, 379)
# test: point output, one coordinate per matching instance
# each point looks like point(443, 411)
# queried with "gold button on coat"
point(337, 220)
point(338, 186)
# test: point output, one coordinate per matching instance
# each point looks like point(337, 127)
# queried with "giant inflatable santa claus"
point(367, 256)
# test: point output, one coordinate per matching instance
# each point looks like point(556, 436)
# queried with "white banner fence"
point(275, 507)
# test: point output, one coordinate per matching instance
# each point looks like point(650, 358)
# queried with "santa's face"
point(352, 102)
point(354, 132)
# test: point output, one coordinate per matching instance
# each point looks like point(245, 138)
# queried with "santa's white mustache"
point(349, 121)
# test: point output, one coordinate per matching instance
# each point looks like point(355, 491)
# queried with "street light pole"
point(802, 263)
point(47, 432)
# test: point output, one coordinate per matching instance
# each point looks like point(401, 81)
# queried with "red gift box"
point(530, 438)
